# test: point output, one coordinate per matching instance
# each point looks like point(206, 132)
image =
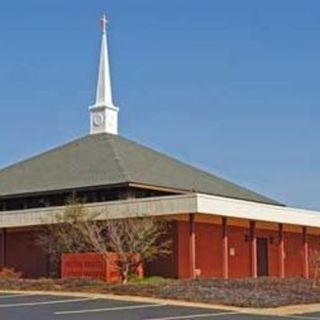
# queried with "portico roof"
point(177, 206)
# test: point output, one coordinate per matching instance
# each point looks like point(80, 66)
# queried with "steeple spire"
point(104, 95)
point(104, 115)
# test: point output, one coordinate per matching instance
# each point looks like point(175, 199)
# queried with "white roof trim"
point(256, 211)
point(171, 205)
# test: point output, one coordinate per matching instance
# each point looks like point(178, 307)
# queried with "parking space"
point(310, 316)
point(39, 307)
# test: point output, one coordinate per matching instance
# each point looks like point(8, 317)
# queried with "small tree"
point(314, 261)
point(63, 236)
point(134, 240)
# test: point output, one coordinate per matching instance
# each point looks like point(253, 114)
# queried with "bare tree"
point(134, 240)
point(314, 261)
point(63, 236)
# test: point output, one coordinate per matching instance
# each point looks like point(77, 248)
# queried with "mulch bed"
point(262, 292)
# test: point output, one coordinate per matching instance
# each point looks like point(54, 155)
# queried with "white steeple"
point(104, 115)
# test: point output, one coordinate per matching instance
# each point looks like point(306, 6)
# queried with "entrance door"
point(262, 256)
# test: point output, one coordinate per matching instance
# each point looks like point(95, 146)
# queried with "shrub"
point(9, 273)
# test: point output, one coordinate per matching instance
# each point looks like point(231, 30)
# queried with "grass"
point(150, 280)
point(259, 293)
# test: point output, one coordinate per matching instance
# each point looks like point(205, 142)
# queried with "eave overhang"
point(173, 206)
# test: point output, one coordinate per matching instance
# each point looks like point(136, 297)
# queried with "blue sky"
point(229, 86)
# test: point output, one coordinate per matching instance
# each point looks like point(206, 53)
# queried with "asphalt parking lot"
point(46, 307)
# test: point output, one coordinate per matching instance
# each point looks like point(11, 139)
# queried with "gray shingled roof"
point(103, 159)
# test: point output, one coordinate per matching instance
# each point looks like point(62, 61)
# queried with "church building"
point(218, 228)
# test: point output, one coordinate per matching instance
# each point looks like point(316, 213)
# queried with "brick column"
point(305, 247)
point(225, 249)
point(192, 245)
point(281, 254)
point(253, 250)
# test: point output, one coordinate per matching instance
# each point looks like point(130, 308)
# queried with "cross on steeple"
point(104, 22)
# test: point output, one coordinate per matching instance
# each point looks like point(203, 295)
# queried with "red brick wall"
point(314, 244)
point(293, 254)
point(239, 264)
point(183, 256)
point(23, 254)
point(94, 266)
point(1, 253)
point(209, 251)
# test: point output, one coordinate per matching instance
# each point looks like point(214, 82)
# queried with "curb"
point(278, 311)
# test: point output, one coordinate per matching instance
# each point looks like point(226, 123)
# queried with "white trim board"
point(170, 205)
